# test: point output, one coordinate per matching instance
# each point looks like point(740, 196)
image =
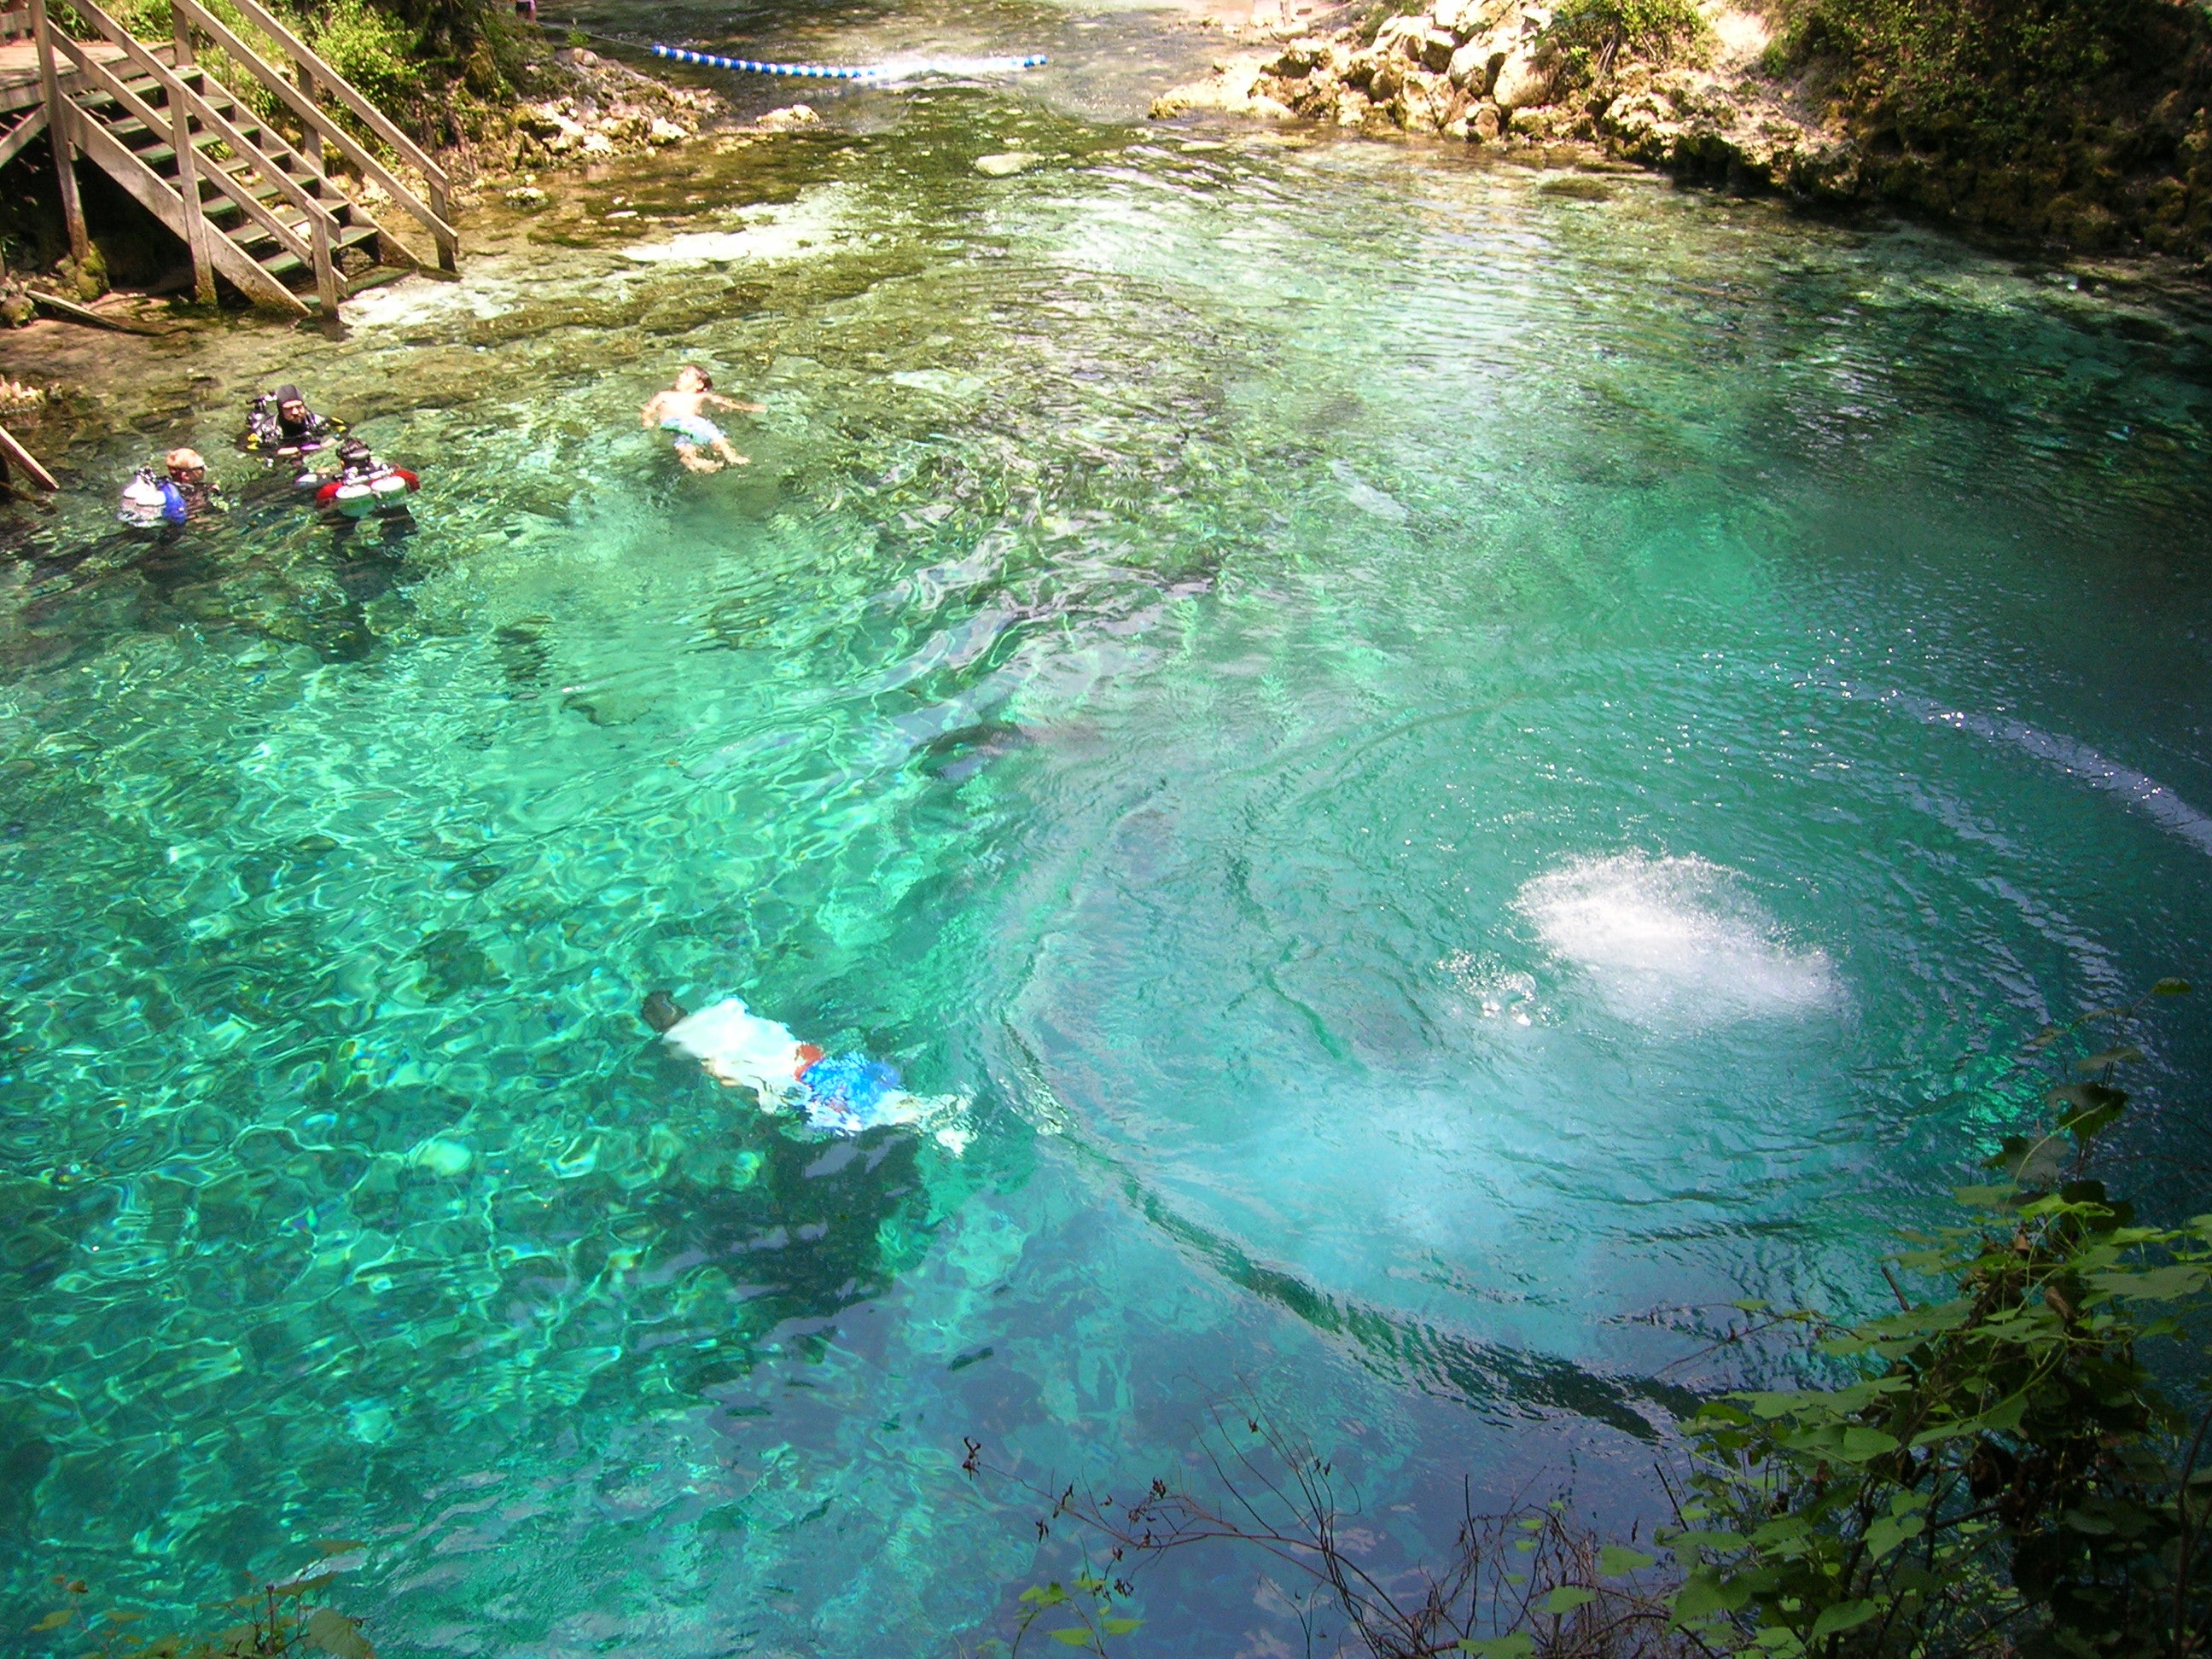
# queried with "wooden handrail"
point(447, 239)
point(100, 76)
point(204, 113)
point(370, 117)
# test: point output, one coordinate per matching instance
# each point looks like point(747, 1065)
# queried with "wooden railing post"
point(180, 27)
point(449, 246)
point(326, 274)
point(312, 147)
point(61, 132)
point(188, 188)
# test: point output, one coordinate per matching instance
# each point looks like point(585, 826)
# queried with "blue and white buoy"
point(906, 69)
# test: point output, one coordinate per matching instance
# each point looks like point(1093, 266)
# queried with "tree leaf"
point(1861, 1443)
point(2032, 1161)
point(2125, 1054)
point(54, 1620)
point(2152, 1284)
point(1614, 1559)
point(2171, 987)
point(1516, 1644)
point(1889, 1531)
point(1566, 1598)
point(1705, 1593)
point(1845, 1615)
point(1075, 1636)
point(1119, 1626)
point(334, 1633)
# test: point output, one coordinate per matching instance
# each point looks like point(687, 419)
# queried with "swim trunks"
point(695, 430)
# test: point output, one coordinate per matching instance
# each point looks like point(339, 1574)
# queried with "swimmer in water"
point(681, 412)
point(847, 1094)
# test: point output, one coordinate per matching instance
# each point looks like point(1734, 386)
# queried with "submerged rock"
point(1005, 166)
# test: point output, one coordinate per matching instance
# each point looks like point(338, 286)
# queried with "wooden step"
point(290, 270)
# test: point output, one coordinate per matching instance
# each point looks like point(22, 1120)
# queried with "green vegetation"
point(271, 1621)
point(435, 66)
point(2016, 1468)
point(2006, 1470)
point(2081, 120)
point(1591, 34)
point(2012, 67)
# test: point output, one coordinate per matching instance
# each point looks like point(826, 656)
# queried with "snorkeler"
point(365, 484)
point(836, 1094)
point(281, 424)
point(679, 411)
point(178, 495)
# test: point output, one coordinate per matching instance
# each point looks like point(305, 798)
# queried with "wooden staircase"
point(250, 202)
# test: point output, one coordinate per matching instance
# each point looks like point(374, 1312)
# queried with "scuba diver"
point(279, 425)
point(172, 498)
point(365, 484)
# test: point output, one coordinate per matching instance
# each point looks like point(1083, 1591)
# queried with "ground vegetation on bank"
point(2016, 1463)
point(2066, 122)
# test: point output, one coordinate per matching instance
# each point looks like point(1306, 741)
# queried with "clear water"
point(1452, 754)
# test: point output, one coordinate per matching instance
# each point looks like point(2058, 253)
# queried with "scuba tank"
point(146, 501)
point(356, 497)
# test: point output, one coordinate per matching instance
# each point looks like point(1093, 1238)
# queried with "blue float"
point(895, 71)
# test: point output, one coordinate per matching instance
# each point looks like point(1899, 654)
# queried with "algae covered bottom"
point(1454, 759)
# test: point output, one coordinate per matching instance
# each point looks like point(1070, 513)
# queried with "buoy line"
point(892, 71)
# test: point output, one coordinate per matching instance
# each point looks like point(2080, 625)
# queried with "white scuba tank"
point(390, 489)
point(141, 504)
point(355, 497)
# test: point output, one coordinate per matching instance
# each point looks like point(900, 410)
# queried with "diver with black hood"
point(281, 424)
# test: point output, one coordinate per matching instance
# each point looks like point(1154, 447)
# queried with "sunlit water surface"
point(1452, 755)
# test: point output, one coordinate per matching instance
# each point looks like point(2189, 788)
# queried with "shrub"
point(2002, 1471)
point(1589, 34)
point(371, 48)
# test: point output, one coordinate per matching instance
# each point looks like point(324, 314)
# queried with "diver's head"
point(186, 466)
point(692, 378)
point(290, 405)
point(355, 454)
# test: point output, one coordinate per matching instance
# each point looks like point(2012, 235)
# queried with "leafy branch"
point(2002, 1473)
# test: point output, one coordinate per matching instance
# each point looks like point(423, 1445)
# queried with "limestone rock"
point(528, 199)
point(788, 118)
point(1524, 80)
point(663, 132)
point(1417, 40)
point(1006, 165)
point(1474, 66)
point(1244, 85)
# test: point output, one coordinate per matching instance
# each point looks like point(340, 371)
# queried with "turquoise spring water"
point(1453, 756)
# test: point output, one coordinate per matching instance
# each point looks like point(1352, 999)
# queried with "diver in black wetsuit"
point(281, 424)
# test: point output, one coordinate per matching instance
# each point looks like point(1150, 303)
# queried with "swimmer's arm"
point(645, 417)
point(739, 406)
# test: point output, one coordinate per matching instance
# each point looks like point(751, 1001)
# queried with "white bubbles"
point(1672, 942)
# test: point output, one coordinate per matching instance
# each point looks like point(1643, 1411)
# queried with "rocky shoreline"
point(1490, 73)
point(590, 109)
point(1486, 72)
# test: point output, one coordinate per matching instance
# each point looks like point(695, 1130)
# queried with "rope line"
point(870, 72)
